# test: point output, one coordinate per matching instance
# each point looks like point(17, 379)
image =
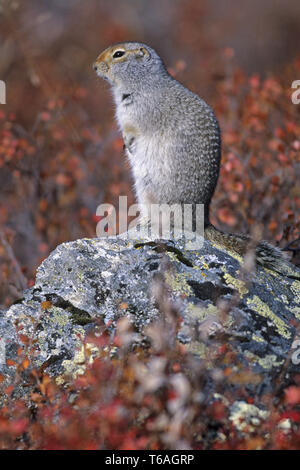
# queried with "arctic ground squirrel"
point(173, 141)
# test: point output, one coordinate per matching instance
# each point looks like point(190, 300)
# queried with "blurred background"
point(61, 154)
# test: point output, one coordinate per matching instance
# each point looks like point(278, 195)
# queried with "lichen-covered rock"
point(109, 278)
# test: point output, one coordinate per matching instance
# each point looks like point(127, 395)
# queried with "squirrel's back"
point(173, 142)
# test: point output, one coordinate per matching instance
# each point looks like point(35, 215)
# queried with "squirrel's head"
point(128, 62)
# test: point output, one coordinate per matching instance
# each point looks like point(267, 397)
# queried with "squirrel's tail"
point(267, 255)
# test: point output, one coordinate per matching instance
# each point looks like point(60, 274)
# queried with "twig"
point(289, 247)
point(22, 281)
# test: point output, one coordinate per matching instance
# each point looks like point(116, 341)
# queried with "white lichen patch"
point(106, 274)
point(246, 417)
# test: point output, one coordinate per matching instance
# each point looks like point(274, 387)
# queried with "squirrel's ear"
point(142, 52)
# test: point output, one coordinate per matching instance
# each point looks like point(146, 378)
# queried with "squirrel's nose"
point(95, 66)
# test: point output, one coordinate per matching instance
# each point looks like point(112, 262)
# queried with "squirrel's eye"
point(118, 54)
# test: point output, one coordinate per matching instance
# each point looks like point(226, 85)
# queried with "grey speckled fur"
point(171, 135)
point(172, 140)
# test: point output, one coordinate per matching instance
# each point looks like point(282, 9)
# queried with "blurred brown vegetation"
point(60, 151)
point(154, 397)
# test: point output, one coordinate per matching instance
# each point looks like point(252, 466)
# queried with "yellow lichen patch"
point(59, 317)
point(200, 313)
point(284, 299)
point(295, 288)
point(233, 254)
point(199, 349)
point(238, 284)
point(172, 256)
point(270, 361)
point(264, 310)
point(295, 311)
point(272, 273)
point(266, 362)
point(178, 283)
point(258, 339)
point(76, 366)
point(211, 312)
point(205, 265)
point(289, 271)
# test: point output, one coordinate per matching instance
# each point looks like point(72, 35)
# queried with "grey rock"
point(108, 278)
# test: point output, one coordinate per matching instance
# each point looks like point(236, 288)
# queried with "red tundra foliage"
point(61, 156)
